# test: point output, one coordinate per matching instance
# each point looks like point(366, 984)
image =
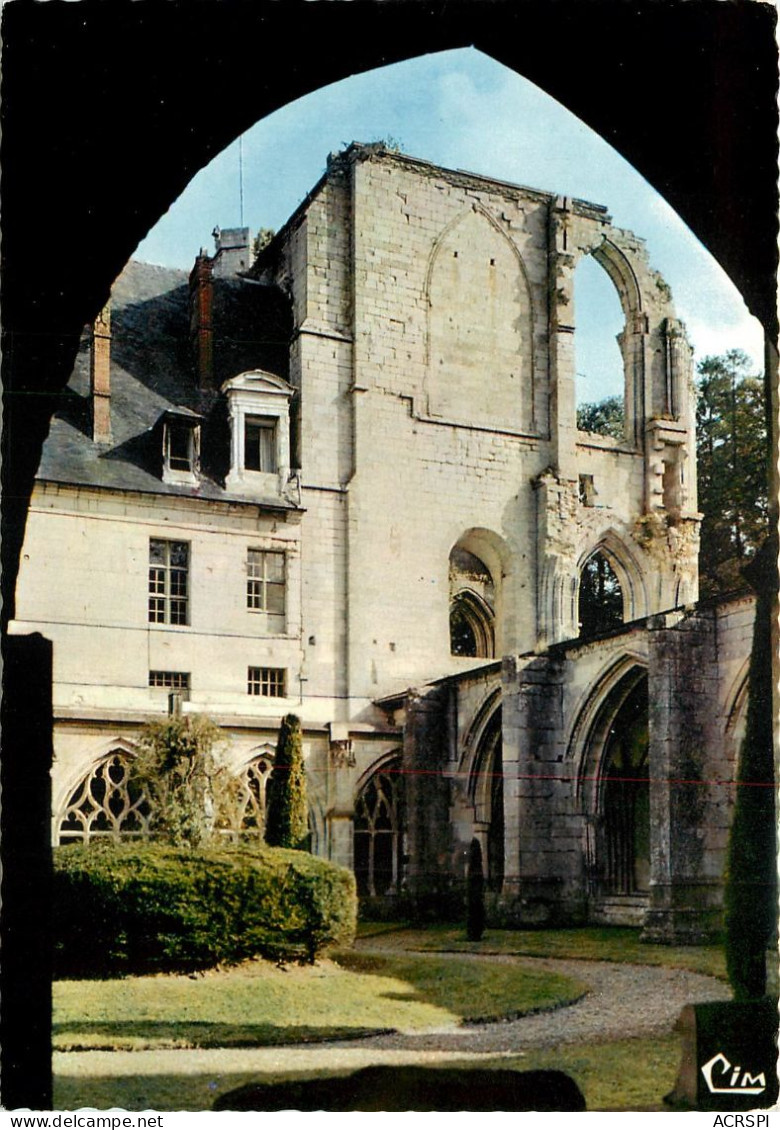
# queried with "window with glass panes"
point(179, 445)
point(266, 681)
point(168, 581)
point(173, 680)
point(260, 444)
point(265, 584)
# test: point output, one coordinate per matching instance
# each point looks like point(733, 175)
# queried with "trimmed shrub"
point(145, 908)
point(286, 824)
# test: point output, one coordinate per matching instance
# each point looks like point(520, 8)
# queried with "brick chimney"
point(99, 376)
point(201, 319)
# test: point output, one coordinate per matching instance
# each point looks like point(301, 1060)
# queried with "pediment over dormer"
point(258, 382)
point(258, 406)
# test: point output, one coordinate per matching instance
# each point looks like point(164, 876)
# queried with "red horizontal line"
point(575, 778)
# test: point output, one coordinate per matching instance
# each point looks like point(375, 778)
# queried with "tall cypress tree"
point(751, 876)
point(287, 820)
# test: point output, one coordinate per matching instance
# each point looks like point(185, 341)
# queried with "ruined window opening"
point(625, 800)
point(672, 485)
point(600, 370)
point(378, 832)
point(472, 601)
point(587, 492)
point(600, 598)
point(106, 805)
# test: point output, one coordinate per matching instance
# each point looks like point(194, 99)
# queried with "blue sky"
point(462, 110)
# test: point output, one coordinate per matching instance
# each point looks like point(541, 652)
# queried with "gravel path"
point(625, 1000)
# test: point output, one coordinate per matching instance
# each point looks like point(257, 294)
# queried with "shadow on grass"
point(134, 1034)
point(620, 1075)
point(154, 1092)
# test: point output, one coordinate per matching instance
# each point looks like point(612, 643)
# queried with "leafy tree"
point(603, 417)
point(732, 469)
point(189, 788)
point(287, 820)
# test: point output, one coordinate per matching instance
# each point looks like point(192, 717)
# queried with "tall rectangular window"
point(168, 581)
point(260, 444)
point(266, 681)
point(265, 586)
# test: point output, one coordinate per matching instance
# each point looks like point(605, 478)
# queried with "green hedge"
point(142, 908)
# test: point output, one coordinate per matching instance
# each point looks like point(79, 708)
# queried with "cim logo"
point(723, 1079)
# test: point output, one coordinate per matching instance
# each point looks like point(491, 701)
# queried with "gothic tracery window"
point(601, 597)
point(378, 832)
point(106, 805)
point(251, 802)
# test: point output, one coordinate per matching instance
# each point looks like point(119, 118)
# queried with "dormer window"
point(181, 446)
point(259, 414)
point(260, 444)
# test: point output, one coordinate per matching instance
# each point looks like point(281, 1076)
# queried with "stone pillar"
point(556, 583)
point(100, 376)
point(685, 769)
point(563, 392)
point(340, 798)
point(544, 878)
point(431, 877)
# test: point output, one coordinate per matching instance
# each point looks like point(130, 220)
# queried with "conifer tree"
point(287, 819)
point(751, 873)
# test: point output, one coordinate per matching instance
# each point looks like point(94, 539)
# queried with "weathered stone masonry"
point(405, 350)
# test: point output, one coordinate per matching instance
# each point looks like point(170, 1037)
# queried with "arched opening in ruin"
point(478, 568)
point(623, 846)
point(599, 365)
point(472, 606)
point(601, 603)
point(487, 789)
point(378, 831)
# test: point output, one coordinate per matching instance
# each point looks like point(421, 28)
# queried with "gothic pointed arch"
point(610, 385)
point(105, 804)
point(478, 570)
point(251, 798)
point(378, 829)
point(614, 787)
point(480, 352)
point(610, 589)
point(486, 792)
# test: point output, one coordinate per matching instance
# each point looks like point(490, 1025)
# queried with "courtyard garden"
point(395, 978)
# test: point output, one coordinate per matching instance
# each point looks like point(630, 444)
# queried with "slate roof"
point(152, 372)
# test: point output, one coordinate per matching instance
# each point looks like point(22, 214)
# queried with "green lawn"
point(261, 1004)
point(625, 1074)
point(588, 943)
